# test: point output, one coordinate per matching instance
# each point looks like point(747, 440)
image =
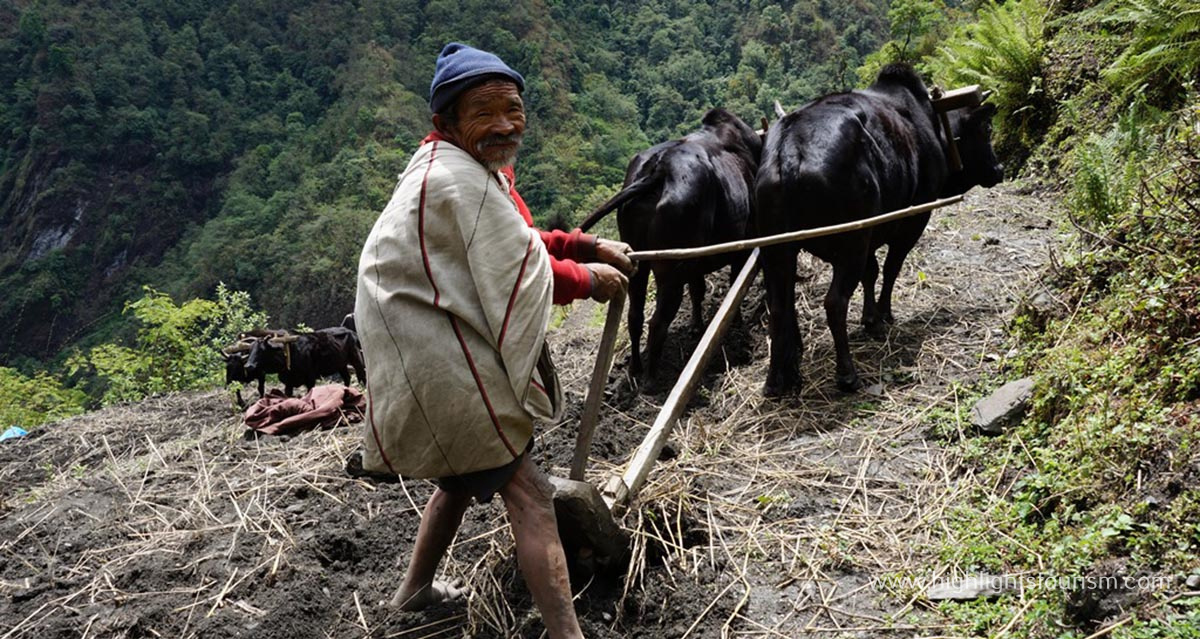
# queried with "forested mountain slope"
point(826, 514)
point(179, 143)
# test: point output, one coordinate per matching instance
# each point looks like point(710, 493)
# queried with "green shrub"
point(177, 347)
point(1099, 469)
point(1163, 54)
point(1003, 51)
point(33, 401)
point(1108, 168)
point(916, 28)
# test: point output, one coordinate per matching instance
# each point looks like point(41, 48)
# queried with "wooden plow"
point(622, 488)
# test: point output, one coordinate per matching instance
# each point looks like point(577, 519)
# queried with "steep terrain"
point(769, 518)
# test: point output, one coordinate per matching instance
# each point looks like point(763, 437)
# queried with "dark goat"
point(690, 192)
point(846, 157)
point(299, 359)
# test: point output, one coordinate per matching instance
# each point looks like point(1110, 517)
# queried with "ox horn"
point(779, 109)
point(986, 93)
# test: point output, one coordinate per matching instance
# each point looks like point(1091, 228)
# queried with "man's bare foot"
point(435, 592)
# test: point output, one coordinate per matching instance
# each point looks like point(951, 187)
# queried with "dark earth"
point(763, 518)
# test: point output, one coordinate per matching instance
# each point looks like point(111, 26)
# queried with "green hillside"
point(181, 144)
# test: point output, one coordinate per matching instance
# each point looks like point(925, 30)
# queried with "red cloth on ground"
point(572, 280)
point(325, 406)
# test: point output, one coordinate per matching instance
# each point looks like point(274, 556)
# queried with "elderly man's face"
point(491, 121)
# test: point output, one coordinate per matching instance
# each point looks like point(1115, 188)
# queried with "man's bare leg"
point(529, 499)
point(442, 517)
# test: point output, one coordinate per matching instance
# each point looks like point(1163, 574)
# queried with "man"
point(454, 296)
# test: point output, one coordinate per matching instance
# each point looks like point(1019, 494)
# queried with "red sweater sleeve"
point(572, 280)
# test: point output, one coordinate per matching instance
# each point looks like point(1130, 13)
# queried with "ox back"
point(324, 352)
point(846, 157)
point(690, 192)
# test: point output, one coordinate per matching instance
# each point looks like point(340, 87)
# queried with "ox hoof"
point(875, 329)
point(653, 383)
point(849, 383)
point(775, 389)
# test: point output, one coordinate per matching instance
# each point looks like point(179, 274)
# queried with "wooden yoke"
point(945, 101)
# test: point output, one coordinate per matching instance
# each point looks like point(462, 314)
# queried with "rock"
point(591, 538)
point(1006, 405)
point(1042, 302)
point(1108, 591)
point(970, 588)
point(1193, 582)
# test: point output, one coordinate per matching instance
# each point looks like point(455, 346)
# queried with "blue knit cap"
point(459, 67)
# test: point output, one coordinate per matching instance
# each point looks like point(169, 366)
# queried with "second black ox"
point(690, 192)
point(299, 359)
point(847, 157)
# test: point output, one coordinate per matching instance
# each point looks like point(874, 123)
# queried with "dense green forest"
point(153, 151)
point(182, 144)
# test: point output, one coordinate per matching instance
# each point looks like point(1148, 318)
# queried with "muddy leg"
point(779, 274)
point(529, 499)
point(891, 270)
point(846, 275)
point(696, 290)
point(637, 316)
point(898, 251)
point(670, 296)
point(870, 311)
point(439, 523)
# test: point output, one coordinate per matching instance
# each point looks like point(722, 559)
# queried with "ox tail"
point(637, 188)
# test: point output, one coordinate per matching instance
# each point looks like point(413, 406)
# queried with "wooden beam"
point(958, 98)
point(793, 236)
point(591, 406)
point(953, 159)
point(621, 489)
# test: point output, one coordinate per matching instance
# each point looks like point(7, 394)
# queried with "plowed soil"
point(764, 518)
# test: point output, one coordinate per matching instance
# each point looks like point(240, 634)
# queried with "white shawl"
point(454, 296)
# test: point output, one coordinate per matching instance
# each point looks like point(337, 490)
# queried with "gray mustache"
point(496, 140)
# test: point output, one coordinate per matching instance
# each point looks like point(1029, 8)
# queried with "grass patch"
point(1102, 477)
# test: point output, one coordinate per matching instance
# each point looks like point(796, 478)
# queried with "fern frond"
point(1164, 44)
point(1004, 52)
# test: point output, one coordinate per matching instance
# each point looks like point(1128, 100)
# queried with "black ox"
point(238, 354)
point(846, 157)
point(690, 192)
point(299, 359)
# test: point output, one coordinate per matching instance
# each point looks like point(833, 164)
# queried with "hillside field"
point(771, 519)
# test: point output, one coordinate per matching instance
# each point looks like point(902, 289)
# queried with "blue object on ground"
point(13, 432)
